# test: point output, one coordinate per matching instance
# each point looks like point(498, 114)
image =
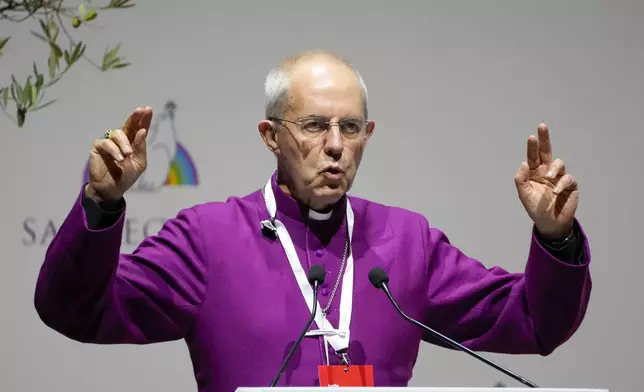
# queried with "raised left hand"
point(549, 194)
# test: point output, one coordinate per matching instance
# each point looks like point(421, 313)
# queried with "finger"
point(131, 124)
point(565, 183)
point(107, 147)
point(146, 118)
point(121, 140)
point(545, 148)
point(557, 168)
point(139, 142)
point(533, 153)
point(522, 179)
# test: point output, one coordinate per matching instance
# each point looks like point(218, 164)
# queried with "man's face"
point(320, 160)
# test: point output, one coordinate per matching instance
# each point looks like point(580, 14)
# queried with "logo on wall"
point(169, 164)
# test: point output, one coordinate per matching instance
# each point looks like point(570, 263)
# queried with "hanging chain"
point(339, 278)
point(344, 356)
point(344, 259)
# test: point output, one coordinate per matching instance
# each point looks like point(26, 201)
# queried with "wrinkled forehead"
point(325, 88)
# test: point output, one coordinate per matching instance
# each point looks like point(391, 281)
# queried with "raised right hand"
point(116, 163)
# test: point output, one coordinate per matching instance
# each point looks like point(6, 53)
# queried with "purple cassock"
point(213, 278)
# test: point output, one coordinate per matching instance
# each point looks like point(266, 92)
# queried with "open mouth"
point(333, 170)
point(333, 173)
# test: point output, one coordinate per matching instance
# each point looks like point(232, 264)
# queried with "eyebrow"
point(313, 115)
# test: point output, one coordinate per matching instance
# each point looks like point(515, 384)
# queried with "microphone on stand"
point(316, 278)
point(379, 279)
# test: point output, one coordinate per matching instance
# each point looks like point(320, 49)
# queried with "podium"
point(413, 389)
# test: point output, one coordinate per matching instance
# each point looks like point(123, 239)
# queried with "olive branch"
point(52, 17)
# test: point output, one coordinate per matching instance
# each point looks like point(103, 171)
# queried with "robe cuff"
point(569, 251)
point(101, 216)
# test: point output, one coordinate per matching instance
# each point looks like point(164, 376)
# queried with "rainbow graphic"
point(182, 169)
point(182, 172)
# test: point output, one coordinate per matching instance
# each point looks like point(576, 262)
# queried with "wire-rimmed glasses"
point(314, 127)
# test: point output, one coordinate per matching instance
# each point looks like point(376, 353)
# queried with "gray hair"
point(278, 83)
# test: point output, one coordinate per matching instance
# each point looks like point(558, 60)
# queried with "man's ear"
point(371, 127)
point(268, 131)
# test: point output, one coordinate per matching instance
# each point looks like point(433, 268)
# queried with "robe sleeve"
point(567, 251)
point(491, 309)
point(90, 292)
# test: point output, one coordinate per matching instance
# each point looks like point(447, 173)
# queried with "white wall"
point(455, 89)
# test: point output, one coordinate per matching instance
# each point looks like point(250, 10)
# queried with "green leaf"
point(52, 62)
point(39, 36)
point(42, 106)
point(68, 59)
point(76, 22)
point(40, 80)
point(120, 65)
point(113, 53)
point(16, 91)
point(110, 64)
point(5, 96)
point(45, 29)
point(54, 30)
point(56, 49)
point(81, 9)
point(120, 4)
point(3, 42)
point(90, 15)
point(28, 97)
point(111, 58)
point(21, 116)
point(78, 51)
point(113, 62)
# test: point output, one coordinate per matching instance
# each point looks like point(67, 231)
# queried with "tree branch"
point(73, 42)
point(48, 14)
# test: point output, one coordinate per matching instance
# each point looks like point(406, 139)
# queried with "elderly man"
point(237, 293)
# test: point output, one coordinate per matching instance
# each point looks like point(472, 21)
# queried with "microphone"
point(379, 279)
point(316, 278)
point(268, 228)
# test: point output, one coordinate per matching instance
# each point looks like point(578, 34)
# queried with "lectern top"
point(412, 389)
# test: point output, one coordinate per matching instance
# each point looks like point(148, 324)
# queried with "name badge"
point(343, 376)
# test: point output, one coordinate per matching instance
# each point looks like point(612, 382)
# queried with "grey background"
point(455, 89)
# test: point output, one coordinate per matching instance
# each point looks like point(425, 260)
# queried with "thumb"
point(522, 180)
point(139, 145)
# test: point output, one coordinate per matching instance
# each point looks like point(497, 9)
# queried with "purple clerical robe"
point(212, 278)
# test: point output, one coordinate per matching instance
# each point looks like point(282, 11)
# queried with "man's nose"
point(334, 143)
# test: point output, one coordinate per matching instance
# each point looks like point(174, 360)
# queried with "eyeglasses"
point(314, 127)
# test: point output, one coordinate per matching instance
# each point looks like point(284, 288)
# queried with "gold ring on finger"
point(108, 133)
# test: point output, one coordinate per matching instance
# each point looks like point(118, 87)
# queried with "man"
point(230, 277)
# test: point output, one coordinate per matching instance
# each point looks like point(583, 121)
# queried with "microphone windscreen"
point(316, 274)
point(378, 276)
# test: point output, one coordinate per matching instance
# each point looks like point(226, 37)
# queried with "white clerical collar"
point(320, 216)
